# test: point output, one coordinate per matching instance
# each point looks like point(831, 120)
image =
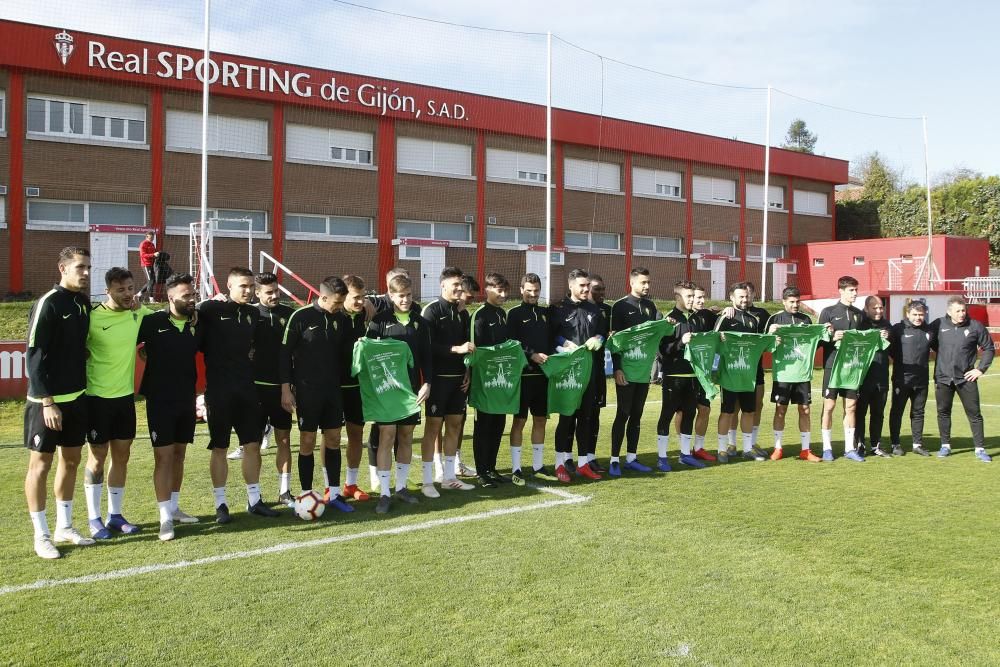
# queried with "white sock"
point(383, 482)
point(560, 459)
point(515, 458)
point(40, 523)
point(116, 494)
point(686, 444)
point(220, 495)
point(253, 494)
point(449, 467)
point(661, 445)
point(402, 472)
point(591, 457)
point(777, 439)
point(64, 514)
point(428, 468)
point(614, 459)
point(438, 465)
point(284, 482)
point(537, 456)
point(326, 478)
point(458, 458)
point(352, 477)
point(333, 492)
point(732, 437)
point(849, 439)
point(756, 430)
point(699, 442)
point(980, 449)
point(373, 471)
point(567, 457)
point(165, 512)
point(747, 442)
point(175, 499)
point(805, 438)
point(827, 435)
point(629, 457)
point(92, 494)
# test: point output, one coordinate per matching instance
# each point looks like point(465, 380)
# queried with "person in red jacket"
point(147, 254)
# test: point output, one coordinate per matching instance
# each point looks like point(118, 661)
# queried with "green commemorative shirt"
point(496, 378)
point(855, 352)
point(795, 355)
point(111, 343)
point(740, 353)
point(569, 374)
point(702, 352)
point(382, 368)
point(637, 346)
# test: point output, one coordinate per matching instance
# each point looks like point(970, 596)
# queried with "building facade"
point(334, 173)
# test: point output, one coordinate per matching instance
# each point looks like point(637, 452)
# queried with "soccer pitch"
point(886, 562)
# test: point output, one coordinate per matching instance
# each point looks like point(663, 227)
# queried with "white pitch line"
point(567, 498)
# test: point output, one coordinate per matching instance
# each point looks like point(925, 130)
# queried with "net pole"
point(548, 161)
point(204, 128)
point(929, 260)
point(767, 205)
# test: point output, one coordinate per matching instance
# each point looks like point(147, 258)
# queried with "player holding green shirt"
point(111, 341)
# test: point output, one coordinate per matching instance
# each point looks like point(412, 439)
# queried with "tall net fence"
point(346, 140)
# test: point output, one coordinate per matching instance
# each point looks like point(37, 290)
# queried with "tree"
point(799, 138)
point(880, 179)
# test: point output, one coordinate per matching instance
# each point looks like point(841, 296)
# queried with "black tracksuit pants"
point(917, 397)
point(578, 424)
point(968, 393)
point(871, 398)
point(487, 434)
point(628, 415)
point(680, 394)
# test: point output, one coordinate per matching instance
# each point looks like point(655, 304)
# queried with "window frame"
point(434, 236)
point(328, 235)
point(713, 181)
point(752, 202)
point(434, 169)
point(64, 226)
point(658, 181)
point(734, 254)
point(518, 240)
point(86, 134)
point(655, 251)
point(213, 213)
point(770, 246)
point(590, 242)
point(595, 184)
point(213, 127)
point(522, 173)
point(799, 195)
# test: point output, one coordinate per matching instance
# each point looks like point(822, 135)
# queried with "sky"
point(869, 70)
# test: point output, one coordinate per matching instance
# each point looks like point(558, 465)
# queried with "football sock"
point(64, 513)
point(40, 523)
point(220, 495)
point(630, 456)
point(615, 459)
point(756, 430)
point(747, 442)
point(980, 449)
point(253, 494)
point(827, 435)
point(805, 437)
point(306, 464)
point(175, 499)
point(777, 439)
point(591, 457)
point(402, 472)
point(373, 476)
point(92, 494)
point(284, 482)
point(428, 469)
point(165, 513)
point(699, 442)
point(515, 458)
point(661, 445)
point(383, 482)
point(732, 437)
point(849, 439)
point(352, 477)
point(537, 456)
point(686, 444)
point(116, 494)
point(449, 467)
point(560, 459)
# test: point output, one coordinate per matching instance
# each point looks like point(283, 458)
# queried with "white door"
point(718, 291)
point(431, 265)
point(780, 280)
point(534, 262)
point(106, 250)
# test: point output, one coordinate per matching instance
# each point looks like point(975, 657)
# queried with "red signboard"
point(120, 229)
point(13, 369)
point(425, 242)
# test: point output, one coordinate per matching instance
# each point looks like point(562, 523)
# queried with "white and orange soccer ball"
point(309, 506)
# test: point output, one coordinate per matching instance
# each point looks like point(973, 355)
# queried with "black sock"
point(306, 464)
point(332, 465)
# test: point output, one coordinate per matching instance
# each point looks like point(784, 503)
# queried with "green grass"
point(888, 562)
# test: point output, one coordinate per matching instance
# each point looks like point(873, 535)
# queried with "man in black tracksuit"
point(575, 322)
point(910, 344)
point(959, 338)
point(629, 311)
point(841, 316)
point(529, 324)
point(874, 391)
point(489, 327)
point(597, 291)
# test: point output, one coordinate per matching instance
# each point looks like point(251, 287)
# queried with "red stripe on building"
point(689, 216)
point(790, 205)
point(156, 148)
point(628, 218)
point(742, 194)
point(278, 181)
point(386, 196)
point(557, 178)
point(481, 207)
point(17, 106)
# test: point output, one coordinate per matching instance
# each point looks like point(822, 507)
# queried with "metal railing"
point(984, 288)
point(277, 269)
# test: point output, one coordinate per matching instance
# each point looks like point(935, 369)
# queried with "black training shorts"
point(40, 438)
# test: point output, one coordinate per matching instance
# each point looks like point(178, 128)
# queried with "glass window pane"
point(50, 211)
point(55, 116)
point(337, 153)
point(182, 217)
point(350, 227)
point(531, 236)
point(309, 224)
point(577, 239)
point(644, 243)
point(668, 244)
point(604, 241)
point(501, 235)
point(136, 130)
point(413, 230)
point(134, 240)
point(97, 126)
point(702, 247)
point(76, 118)
point(117, 128)
point(365, 157)
point(412, 252)
point(447, 231)
point(350, 154)
point(36, 115)
point(117, 214)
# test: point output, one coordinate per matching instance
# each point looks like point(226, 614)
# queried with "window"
point(328, 145)
point(592, 175)
point(515, 235)
point(657, 183)
point(660, 245)
point(906, 259)
point(179, 219)
point(433, 156)
point(3, 111)
point(77, 216)
point(226, 134)
point(332, 225)
point(755, 196)
point(3, 212)
point(134, 240)
point(438, 231)
point(727, 248)
point(859, 261)
point(592, 240)
point(773, 251)
point(87, 119)
point(818, 262)
point(513, 165)
point(811, 203)
point(715, 190)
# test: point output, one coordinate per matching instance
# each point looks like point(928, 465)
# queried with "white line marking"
point(567, 499)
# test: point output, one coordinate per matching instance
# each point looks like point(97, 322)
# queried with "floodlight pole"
point(929, 259)
point(767, 183)
point(546, 282)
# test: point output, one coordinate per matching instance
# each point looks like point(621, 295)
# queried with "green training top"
point(638, 345)
point(702, 352)
point(496, 378)
point(381, 366)
point(795, 355)
point(569, 374)
point(740, 354)
point(855, 352)
point(111, 343)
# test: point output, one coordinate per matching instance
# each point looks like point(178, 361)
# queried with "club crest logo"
point(152, 436)
point(63, 42)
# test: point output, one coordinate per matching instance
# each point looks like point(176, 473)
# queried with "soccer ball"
point(309, 506)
